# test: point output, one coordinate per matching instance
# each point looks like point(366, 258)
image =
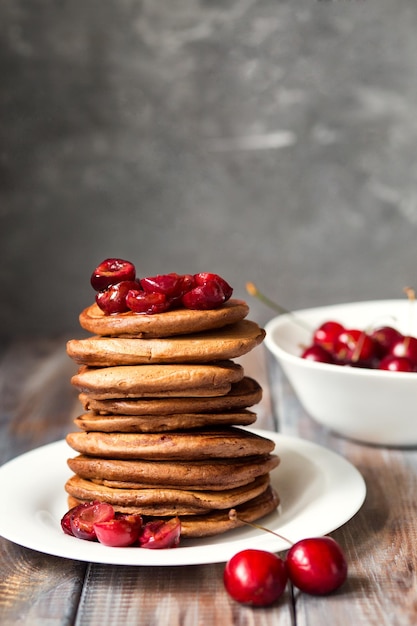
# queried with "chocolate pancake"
point(161, 423)
point(166, 501)
point(227, 442)
point(175, 322)
point(210, 379)
point(216, 474)
point(218, 521)
point(225, 343)
point(244, 393)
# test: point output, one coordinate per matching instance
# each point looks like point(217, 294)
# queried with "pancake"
point(226, 343)
point(227, 442)
point(158, 380)
point(175, 322)
point(244, 393)
point(216, 522)
point(161, 423)
point(215, 475)
point(168, 501)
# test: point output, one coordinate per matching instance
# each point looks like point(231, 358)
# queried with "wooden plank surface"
point(37, 405)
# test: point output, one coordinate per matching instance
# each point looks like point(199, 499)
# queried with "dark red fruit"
point(118, 532)
point(159, 534)
point(80, 519)
point(319, 354)
point(204, 278)
point(113, 299)
point(393, 363)
point(406, 347)
point(172, 285)
point(110, 272)
point(326, 334)
point(204, 297)
point(149, 303)
point(354, 346)
point(385, 337)
point(255, 577)
point(317, 565)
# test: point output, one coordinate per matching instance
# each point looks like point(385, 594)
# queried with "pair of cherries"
point(315, 565)
point(119, 290)
point(383, 348)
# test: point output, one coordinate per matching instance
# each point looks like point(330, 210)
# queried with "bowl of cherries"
point(353, 367)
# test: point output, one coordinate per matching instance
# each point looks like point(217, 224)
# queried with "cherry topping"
point(204, 278)
point(113, 299)
point(159, 534)
point(150, 303)
point(317, 565)
point(171, 285)
point(110, 272)
point(204, 297)
point(255, 577)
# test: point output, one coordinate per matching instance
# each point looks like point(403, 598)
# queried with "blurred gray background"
point(265, 140)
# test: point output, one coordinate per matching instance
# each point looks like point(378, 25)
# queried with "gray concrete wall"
point(271, 141)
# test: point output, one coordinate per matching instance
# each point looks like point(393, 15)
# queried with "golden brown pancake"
point(244, 393)
point(227, 442)
point(215, 522)
point(215, 474)
point(176, 322)
point(161, 423)
point(225, 343)
point(210, 379)
point(168, 501)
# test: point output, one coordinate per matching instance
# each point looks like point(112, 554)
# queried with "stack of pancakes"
point(163, 401)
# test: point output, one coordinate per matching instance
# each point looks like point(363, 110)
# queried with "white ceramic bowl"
point(371, 406)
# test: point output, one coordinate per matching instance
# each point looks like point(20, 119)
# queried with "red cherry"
point(150, 303)
point(326, 334)
point(79, 521)
point(385, 337)
point(118, 532)
point(318, 353)
point(113, 299)
point(317, 565)
point(203, 278)
point(393, 363)
point(406, 347)
point(354, 346)
point(160, 534)
point(110, 272)
point(255, 577)
point(204, 297)
point(171, 285)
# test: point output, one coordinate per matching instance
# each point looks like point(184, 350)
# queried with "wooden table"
point(37, 407)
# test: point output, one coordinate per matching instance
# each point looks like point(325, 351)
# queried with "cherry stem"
point(234, 516)
point(252, 290)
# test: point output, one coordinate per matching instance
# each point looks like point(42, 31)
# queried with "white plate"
point(319, 492)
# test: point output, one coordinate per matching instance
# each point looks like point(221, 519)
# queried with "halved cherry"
point(150, 303)
point(112, 271)
point(79, 520)
point(204, 278)
point(113, 299)
point(204, 297)
point(119, 532)
point(158, 534)
point(171, 285)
